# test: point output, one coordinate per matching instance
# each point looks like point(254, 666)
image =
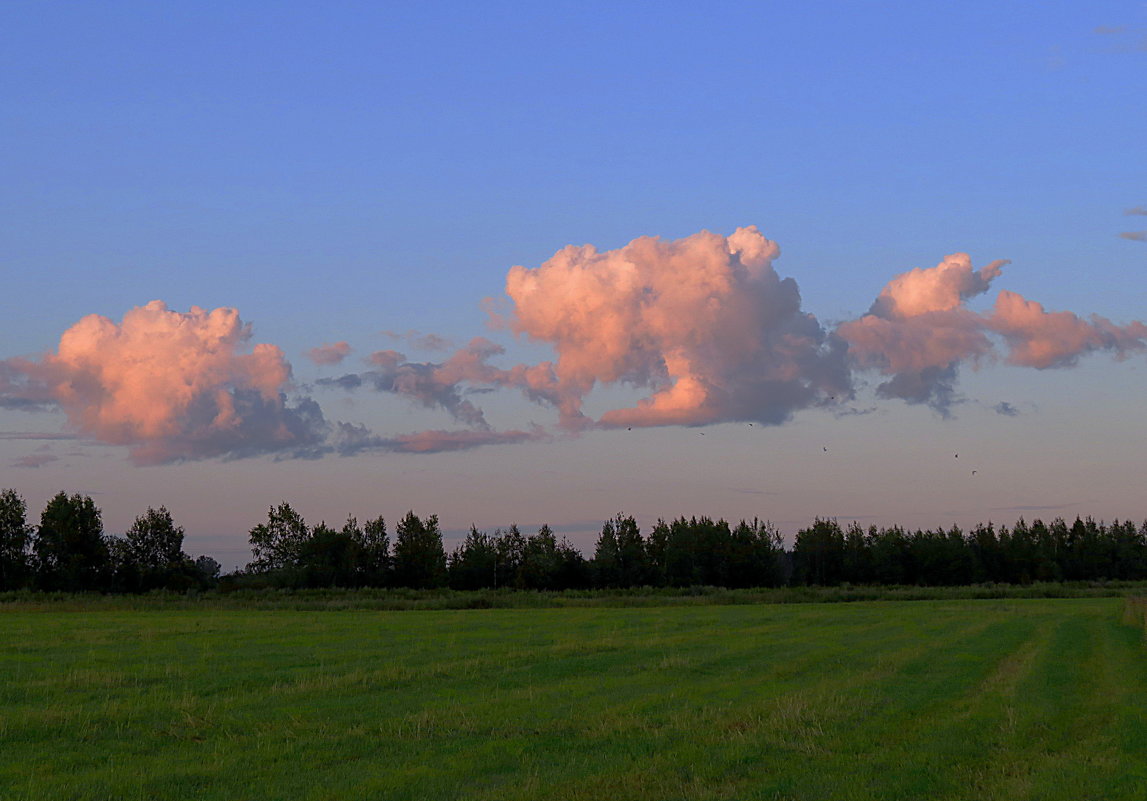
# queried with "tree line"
point(69, 551)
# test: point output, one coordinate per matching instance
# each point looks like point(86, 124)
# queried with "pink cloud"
point(919, 331)
point(704, 323)
point(329, 354)
point(1042, 339)
point(170, 385)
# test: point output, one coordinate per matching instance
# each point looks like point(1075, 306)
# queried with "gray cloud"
point(1006, 409)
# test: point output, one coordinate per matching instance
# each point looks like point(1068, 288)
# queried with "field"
point(949, 699)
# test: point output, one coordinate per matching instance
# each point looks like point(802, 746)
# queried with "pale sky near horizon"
point(364, 174)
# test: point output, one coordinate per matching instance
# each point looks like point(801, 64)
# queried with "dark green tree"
point(619, 558)
point(328, 558)
point(419, 557)
point(573, 568)
point(472, 565)
point(818, 553)
point(276, 544)
point(607, 558)
point(889, 555)
point(155, 543)
point(208, 570)
point(15, 536)
point(754, 556)
point(70, 551)
point(511, 548)
point(541, 561)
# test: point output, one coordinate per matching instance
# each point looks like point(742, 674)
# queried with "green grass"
point(399, 599)
point(951, 699)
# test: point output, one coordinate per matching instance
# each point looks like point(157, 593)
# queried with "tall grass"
point(441, 599)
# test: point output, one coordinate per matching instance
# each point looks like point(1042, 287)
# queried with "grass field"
point(1003, 699)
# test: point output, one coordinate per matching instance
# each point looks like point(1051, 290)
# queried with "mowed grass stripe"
point(989, 699)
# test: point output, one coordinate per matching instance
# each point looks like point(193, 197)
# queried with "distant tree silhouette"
point(15, 536)
point(818, 553)
point(277, 544)
point(510, 546)
point(419, 557)
point(473, 564)
point(328, 558)
point(70, 550)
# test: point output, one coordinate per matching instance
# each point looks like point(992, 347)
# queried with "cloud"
point(430, 342)
point(1136, 236)
point(34, 460)
point(703, 323)
point(1107, 30)
point(421, 341)
point(35, 435)
point(702, 326)
point(170, 386)
point(433, 385)
point(1042, 339)
point(1140, 210)
point(919, 330)
point(329, 354)
point(706, 326)
point(1006, 409)
point(351, 439)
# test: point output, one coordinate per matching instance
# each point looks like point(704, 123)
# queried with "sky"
point(544, 263)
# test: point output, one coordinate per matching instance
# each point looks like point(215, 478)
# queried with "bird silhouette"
point(973, 472)
point(826, 450)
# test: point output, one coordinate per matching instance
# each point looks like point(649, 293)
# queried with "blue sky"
point(334, 171)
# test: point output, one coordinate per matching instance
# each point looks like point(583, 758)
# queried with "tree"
point(328, 558)
point(419, 557)
point(754, 554)
point(155, 542)
point(619, 557)
point(541, 561)
point(511, 548)
point(474, 562)
point(573, 569)
point(70, 551)
point(374, 553)
point(277, 543)
point(819, 553)
point(208, 569)
point(606, 558)
point(15, 534)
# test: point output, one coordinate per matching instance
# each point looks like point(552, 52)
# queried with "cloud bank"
point(703, 327)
